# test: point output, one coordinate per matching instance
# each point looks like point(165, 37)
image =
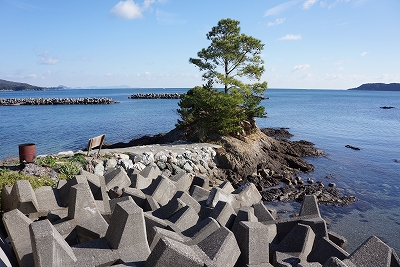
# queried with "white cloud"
point(309, 3)
point(44, 59)
point(301, 67)
point(127, 10)
point(32, 75)
point(279, 8)
point(363, 54)
point(147, 3)
point(330, 4)
point(290, 37)
point(341, 68)
point(276, 22)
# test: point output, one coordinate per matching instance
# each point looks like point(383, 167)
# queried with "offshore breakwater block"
point(309, 206)
point(161, 232)
point(374, 253)
point(117, 178)
point(151, 204)
point(201, 230)
point(254, 239)
point(151, 222)
point(93, 180)
point(221, 248)
point(17, 227)
point(136, 194)
point(48, 200)
point(244, 214)
point(339, 240)
point(48, 246)
point(171, 253)
point(127, 232)
point(67, 230)
point(335, 262)
point(224, 214)
point(201, 181)
point(23, 197)
point(144, 178)
point(6, 200)
point(82, 208)
point(324, 249)
point(182, 181)
point(161, 189)
point(185, 218)
point(262, 213)
point(284, 226)
point(188, 200)
point(95, 253)
point(199, 194)
point(298, 243)
point(64, 187)
point(166, 211)
point(217, 194)
point(246, 195)
point(102, 198)
point(227, 187)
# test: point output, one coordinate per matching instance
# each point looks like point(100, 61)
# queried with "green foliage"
point(48, 161)
point(66, 167)
point(231, 59)
point(68, 170)
point(205, 111)
point(78, 158)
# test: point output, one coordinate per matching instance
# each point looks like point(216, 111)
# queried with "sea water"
point(331, 119)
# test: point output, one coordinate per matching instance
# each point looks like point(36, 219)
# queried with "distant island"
point(15, 86)
point(378, 87)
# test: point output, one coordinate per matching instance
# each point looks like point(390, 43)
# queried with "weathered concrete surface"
point(110, 221)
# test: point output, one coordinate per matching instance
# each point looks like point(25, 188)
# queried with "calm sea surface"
point(331, 119)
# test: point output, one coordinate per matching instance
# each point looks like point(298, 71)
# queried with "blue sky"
point(333, 44)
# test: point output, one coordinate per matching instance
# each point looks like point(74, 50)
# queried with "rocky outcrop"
point(56, 101)
point(258, 153)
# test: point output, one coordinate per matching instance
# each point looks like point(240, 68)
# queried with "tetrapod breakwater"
point(56, 101)
point(157, 96)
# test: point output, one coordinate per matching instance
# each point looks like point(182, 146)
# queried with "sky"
point(310, 44)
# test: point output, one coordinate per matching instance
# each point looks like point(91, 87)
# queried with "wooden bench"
point(95, 142)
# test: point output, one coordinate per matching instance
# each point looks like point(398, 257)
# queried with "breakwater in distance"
point(56, 101)
point(157, 96)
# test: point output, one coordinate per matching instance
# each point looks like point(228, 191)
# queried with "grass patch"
point(9, 177)
point(66, 167)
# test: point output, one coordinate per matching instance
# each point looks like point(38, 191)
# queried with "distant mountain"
point(14, 86)
point(378, 87)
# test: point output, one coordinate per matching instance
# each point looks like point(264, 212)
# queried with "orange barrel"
point(27, 153)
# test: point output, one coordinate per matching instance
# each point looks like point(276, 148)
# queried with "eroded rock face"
point(263, 156)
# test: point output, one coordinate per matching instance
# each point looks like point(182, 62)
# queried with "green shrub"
point(68, 170)
point(208, 111)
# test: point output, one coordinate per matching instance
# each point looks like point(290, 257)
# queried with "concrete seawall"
point(56, 101)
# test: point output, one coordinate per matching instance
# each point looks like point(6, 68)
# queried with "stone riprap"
point(56, 101)
point(174, 219)
point(157, 96)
